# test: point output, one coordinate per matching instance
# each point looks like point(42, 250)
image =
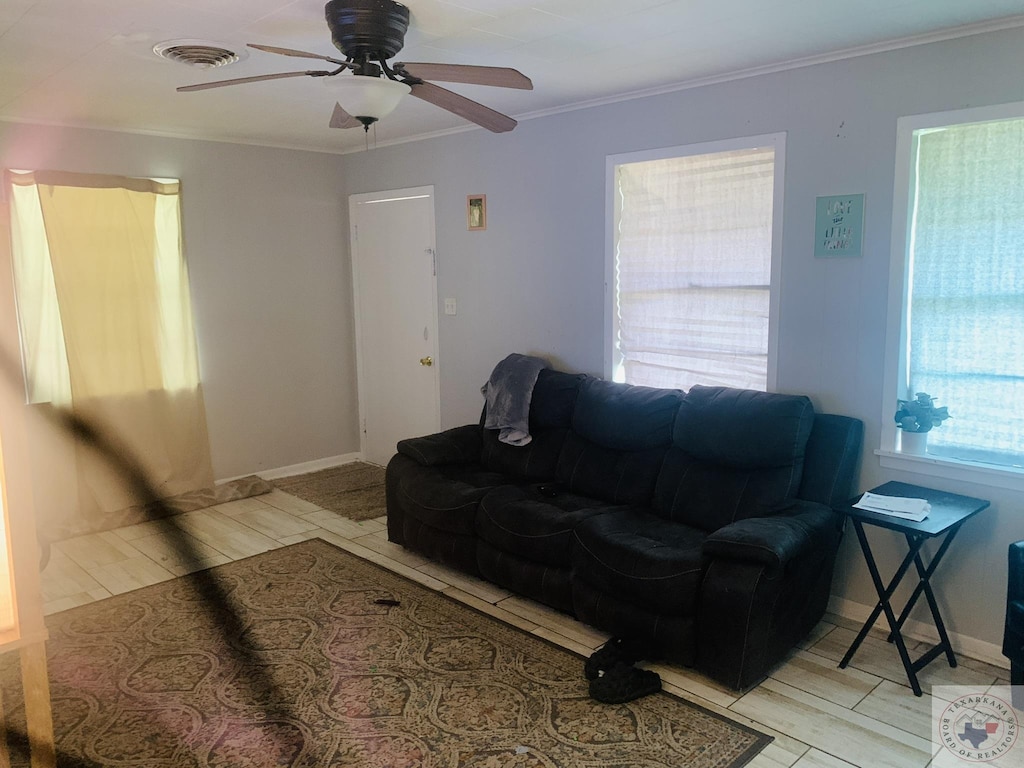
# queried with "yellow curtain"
point(106, 327)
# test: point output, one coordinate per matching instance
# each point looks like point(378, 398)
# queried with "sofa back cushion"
point(735, 454)
point(625, 417)
point(618, 439)
point(831, 460)
point(551, 408)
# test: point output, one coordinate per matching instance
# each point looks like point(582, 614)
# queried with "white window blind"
point(693, 251)
point(966, 290)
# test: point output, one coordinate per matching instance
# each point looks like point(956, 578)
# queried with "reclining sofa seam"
point(466, 505)
point(629, 575)
point(490, 517)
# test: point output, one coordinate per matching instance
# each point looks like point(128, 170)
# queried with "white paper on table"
point(896, 506)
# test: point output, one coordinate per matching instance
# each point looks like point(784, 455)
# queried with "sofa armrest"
point(460, 445)
point(1013, 629)
point(1015, 572)
point(774, 541)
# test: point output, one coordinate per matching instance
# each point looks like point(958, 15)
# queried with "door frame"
point(382, 197)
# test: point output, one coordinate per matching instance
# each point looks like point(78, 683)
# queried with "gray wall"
point(533, 281)
point(265, 240)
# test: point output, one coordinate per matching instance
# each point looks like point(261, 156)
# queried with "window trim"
point(778, 142)
point(895, 379)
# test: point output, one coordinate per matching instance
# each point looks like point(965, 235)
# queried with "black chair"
point(1013, 634)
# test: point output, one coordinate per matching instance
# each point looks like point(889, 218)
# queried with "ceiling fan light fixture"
point(368, 98)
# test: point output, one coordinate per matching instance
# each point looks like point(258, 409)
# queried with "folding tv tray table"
point(949, 511)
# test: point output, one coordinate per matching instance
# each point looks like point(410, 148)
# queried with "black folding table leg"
point(933, 605)
point(924, 574)
point(885, 594)
point(924, 586)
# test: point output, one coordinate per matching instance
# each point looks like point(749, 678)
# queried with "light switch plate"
point(450, 307)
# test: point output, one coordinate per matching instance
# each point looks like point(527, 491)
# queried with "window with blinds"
point(964, 301)
point(692, 265)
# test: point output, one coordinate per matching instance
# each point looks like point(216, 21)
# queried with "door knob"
point(426, 361)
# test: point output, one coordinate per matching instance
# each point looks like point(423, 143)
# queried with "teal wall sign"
point(838, 226)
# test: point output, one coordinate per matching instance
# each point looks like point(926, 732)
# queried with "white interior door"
point(395, 283)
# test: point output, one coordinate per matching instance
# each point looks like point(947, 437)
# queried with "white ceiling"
point(90, 62)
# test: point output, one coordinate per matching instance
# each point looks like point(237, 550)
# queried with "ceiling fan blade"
point(342, 119)
point(241, 80)
point(293, 52)
point(463, 107)
point(501, 77)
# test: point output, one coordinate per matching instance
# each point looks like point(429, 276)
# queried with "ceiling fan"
point(368, 33)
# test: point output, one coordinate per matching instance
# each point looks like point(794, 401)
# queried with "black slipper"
point(616, 651)
point(624, 683)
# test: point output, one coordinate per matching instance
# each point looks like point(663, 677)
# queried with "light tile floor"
point(820, 716)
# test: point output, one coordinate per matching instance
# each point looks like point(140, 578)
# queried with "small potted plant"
point(916, 418)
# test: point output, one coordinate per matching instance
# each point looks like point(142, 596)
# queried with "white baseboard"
point(981, 650)
point(301, 469)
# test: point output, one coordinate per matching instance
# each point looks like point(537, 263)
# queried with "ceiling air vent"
point(201, 54)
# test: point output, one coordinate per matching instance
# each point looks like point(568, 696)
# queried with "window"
point(693, 258)
point(106, 331)
point(98, 264)
point(958, 281)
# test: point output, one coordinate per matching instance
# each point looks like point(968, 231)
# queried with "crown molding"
point(949, 33)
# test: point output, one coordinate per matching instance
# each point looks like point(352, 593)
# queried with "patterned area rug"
point(355, 490)
point(146, 679)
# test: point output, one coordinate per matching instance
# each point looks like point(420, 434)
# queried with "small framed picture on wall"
point(838, 226)
point(476, 212)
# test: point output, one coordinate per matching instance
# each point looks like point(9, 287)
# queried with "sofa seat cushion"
point(520, 521)
point(446, 497)
point(636, 556)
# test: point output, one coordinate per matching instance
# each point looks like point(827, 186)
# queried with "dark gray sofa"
point(701, 524)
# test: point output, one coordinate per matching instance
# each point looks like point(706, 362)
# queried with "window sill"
point(954, 469)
